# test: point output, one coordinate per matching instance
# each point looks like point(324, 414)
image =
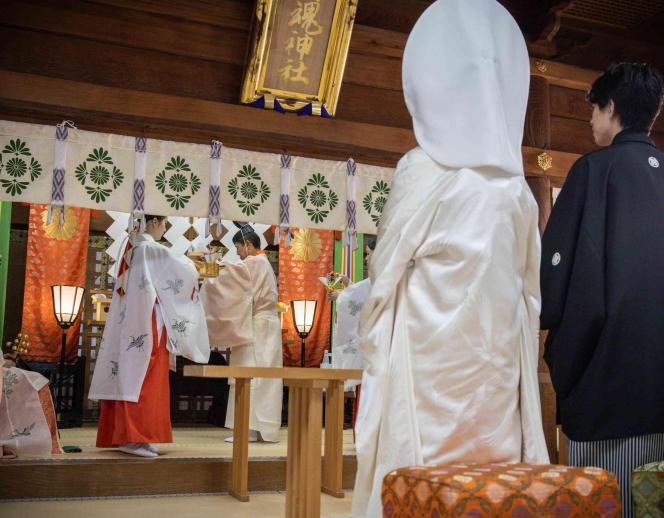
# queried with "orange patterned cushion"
point(516, 490)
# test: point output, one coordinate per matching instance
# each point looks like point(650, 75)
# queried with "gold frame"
point(253, 86)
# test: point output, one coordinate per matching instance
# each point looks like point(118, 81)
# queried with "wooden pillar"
point(5, 227)
point(537, 133)
point(334, 429)
point(303, 469)
point(537, 130)
point(240, 463)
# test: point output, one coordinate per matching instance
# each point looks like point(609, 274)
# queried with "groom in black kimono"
point(602, 281)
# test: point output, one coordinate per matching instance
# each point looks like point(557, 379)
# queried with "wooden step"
point(80, 478)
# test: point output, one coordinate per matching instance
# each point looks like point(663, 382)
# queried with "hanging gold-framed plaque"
point(298, 54)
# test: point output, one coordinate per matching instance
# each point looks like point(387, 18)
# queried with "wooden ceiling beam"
point(118, 110)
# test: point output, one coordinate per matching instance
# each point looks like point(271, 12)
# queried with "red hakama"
point(149, 419)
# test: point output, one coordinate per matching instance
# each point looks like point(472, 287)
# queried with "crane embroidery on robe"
point(354, 307)
point(123, 313)
point(115, 368)
point(144, 284)
point(137, 342)
point(27, 431)
point(8, 380)
point(174, 285)
point(180, 326)
point(350, 348)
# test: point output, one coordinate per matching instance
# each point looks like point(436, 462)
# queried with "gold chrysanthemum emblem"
point(306, 245)
point(54, 229)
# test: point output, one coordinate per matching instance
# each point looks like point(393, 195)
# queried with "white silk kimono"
point(241, 308)
point(449, 331)
point(24, 429)
point(159, 280)
point(346, 352)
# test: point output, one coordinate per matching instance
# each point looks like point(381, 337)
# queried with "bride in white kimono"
point(241, 308)
point(449, 331)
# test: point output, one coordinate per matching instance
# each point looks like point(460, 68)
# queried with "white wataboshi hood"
point(465, 79)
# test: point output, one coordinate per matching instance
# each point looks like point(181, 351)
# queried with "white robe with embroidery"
point(449, 331)
point(346, 352)
point(156, 279)
point(24, 430)
point(241, 307)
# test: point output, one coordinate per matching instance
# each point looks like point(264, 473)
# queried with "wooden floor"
point(261, 505)
point(197, 462)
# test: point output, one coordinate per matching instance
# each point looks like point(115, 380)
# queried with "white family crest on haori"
point(346, 353)
point(160, 281)
point(451, 342)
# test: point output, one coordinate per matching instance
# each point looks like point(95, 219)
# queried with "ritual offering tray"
point(208, 264)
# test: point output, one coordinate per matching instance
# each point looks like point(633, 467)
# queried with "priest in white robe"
point(449, 331)
point(155, 314)
point(241, 308)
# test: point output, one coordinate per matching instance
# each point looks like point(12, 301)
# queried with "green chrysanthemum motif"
point(160, 181)
point(117, 177)
point(317, 198)
point(195, 184)
point(178, 182)
point(16, 161)
point(264, 191)
point(381, 187)
point(100, 156)
point(177, 164)
point(249, 172)
point(17, 148)
point(14, 187)
point(177, 201)
point(318, 180)
point(97, 194)
point(248, 190)
point(16, 167)
point(379, 204)
point(375, 201)
point(99, 175)
point(35, 169)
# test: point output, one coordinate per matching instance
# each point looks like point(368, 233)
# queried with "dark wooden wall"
point(173, 69)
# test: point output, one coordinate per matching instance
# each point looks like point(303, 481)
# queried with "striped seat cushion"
point(518, 490)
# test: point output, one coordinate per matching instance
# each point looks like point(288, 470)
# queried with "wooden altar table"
point(305, 406)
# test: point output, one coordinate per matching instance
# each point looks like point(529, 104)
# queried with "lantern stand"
point(304, 314)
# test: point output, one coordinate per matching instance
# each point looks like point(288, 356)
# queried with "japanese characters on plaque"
point(299, 53)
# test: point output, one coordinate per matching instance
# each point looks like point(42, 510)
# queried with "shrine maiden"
point(450, 329)
point(346, 352)
point(241, 307)
point(155, 310)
